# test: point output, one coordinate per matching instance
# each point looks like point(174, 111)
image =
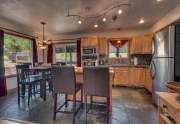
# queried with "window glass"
point(112, 51)
point(123, 51)
point(66, 53)
point(60, 54)
point(16, 50)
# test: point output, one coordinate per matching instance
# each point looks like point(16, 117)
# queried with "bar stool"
point(96, 83)
point(64, 82)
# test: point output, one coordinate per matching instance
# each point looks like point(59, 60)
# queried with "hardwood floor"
point(130, 106)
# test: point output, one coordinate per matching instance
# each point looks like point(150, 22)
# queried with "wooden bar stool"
point(96, 83)
point(64, 82)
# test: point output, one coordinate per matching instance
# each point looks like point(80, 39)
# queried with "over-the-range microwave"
point(88, 51)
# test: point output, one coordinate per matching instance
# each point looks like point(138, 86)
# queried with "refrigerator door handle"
point(153, 67)
point(153, 46)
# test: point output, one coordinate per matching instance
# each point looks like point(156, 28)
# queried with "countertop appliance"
point(165, 59)
point(89, 56)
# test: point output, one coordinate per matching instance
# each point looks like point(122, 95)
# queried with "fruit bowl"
point(174, 86)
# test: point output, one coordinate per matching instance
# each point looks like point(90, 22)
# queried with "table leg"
point(43, 88)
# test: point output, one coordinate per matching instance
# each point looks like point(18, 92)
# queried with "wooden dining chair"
point(25, 77)
point(64, 82)
point(96, 83)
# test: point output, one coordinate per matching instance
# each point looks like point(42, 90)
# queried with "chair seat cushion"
point(32, 78)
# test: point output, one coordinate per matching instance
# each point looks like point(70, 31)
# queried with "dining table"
point(43, 70)
point(79, 79)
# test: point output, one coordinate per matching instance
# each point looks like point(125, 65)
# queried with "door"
point(163, 69)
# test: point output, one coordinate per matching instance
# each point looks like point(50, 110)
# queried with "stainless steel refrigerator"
point(163, 59)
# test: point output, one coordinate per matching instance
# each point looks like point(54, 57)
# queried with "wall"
point(112, 34)
point(171, 17)
point(11, 83)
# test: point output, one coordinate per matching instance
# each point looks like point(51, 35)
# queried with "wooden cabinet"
point(141, 44)
point(136, 77)
point(148, 80)
point(147, 44)
point(89, 42)
point(133, 76)
point(103, 46)
point(168, 108)
point(121, 76)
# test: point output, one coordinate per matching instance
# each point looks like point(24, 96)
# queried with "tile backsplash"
point(142, 59)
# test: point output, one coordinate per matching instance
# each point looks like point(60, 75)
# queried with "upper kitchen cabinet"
point(103, 46)
point(141, 44)
point(147, 44)
point(89, 42)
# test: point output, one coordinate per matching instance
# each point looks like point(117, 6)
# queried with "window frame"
point(63, 44)
point(118, 51)
point(30, 50)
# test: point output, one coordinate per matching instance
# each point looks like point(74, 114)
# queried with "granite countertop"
point(128, 65)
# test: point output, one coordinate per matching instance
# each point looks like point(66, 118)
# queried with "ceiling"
point(27, 14)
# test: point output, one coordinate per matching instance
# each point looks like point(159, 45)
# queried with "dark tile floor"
point(130, 106)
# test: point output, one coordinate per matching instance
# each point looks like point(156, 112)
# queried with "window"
point(121, 52)
point(16, 50)
point(66, 53)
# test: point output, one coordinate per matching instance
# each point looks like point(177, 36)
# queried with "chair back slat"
point(64, 80)
point(96, 81)
point(21, 72)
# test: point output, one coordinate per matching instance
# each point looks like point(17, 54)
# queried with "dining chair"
point(64, 82)
point(96, 83)
point(26, 77)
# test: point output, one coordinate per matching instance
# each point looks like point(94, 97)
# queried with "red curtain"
point(78, 53)
point(3, 87)
point(50, 54)
point(35, 55)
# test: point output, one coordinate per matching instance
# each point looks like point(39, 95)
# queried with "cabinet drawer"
point(167, 108)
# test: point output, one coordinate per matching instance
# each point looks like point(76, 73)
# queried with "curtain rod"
point(67, 39)
point(16, 33)
point(59, 40)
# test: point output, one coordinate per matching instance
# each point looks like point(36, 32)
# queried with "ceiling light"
point(119, 41)
point(120, 11)
point(104, 19)
point(141, 21)
point(79, 22)
point(159, 0)
point(96, 25)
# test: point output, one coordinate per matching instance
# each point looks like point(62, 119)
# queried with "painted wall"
point(171, 17)
point(11, 83)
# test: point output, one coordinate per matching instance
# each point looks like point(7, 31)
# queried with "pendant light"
point(44, 43)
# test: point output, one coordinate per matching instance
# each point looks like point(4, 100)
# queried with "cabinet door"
point(84, 42)
point(136, 77)
point(89, 42)
point(132, 46)
point(136, 45)
point(103, 46)
point(148, 82)
point(121, 76)
point(92, 41)
point(147, 44)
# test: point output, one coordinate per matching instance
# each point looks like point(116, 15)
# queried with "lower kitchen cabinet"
point(133, 77)
point(148, 80)
point(121, 76)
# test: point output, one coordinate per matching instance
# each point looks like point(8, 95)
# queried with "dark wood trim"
point(63, 42)
point(16, 33)
point(11, 76)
